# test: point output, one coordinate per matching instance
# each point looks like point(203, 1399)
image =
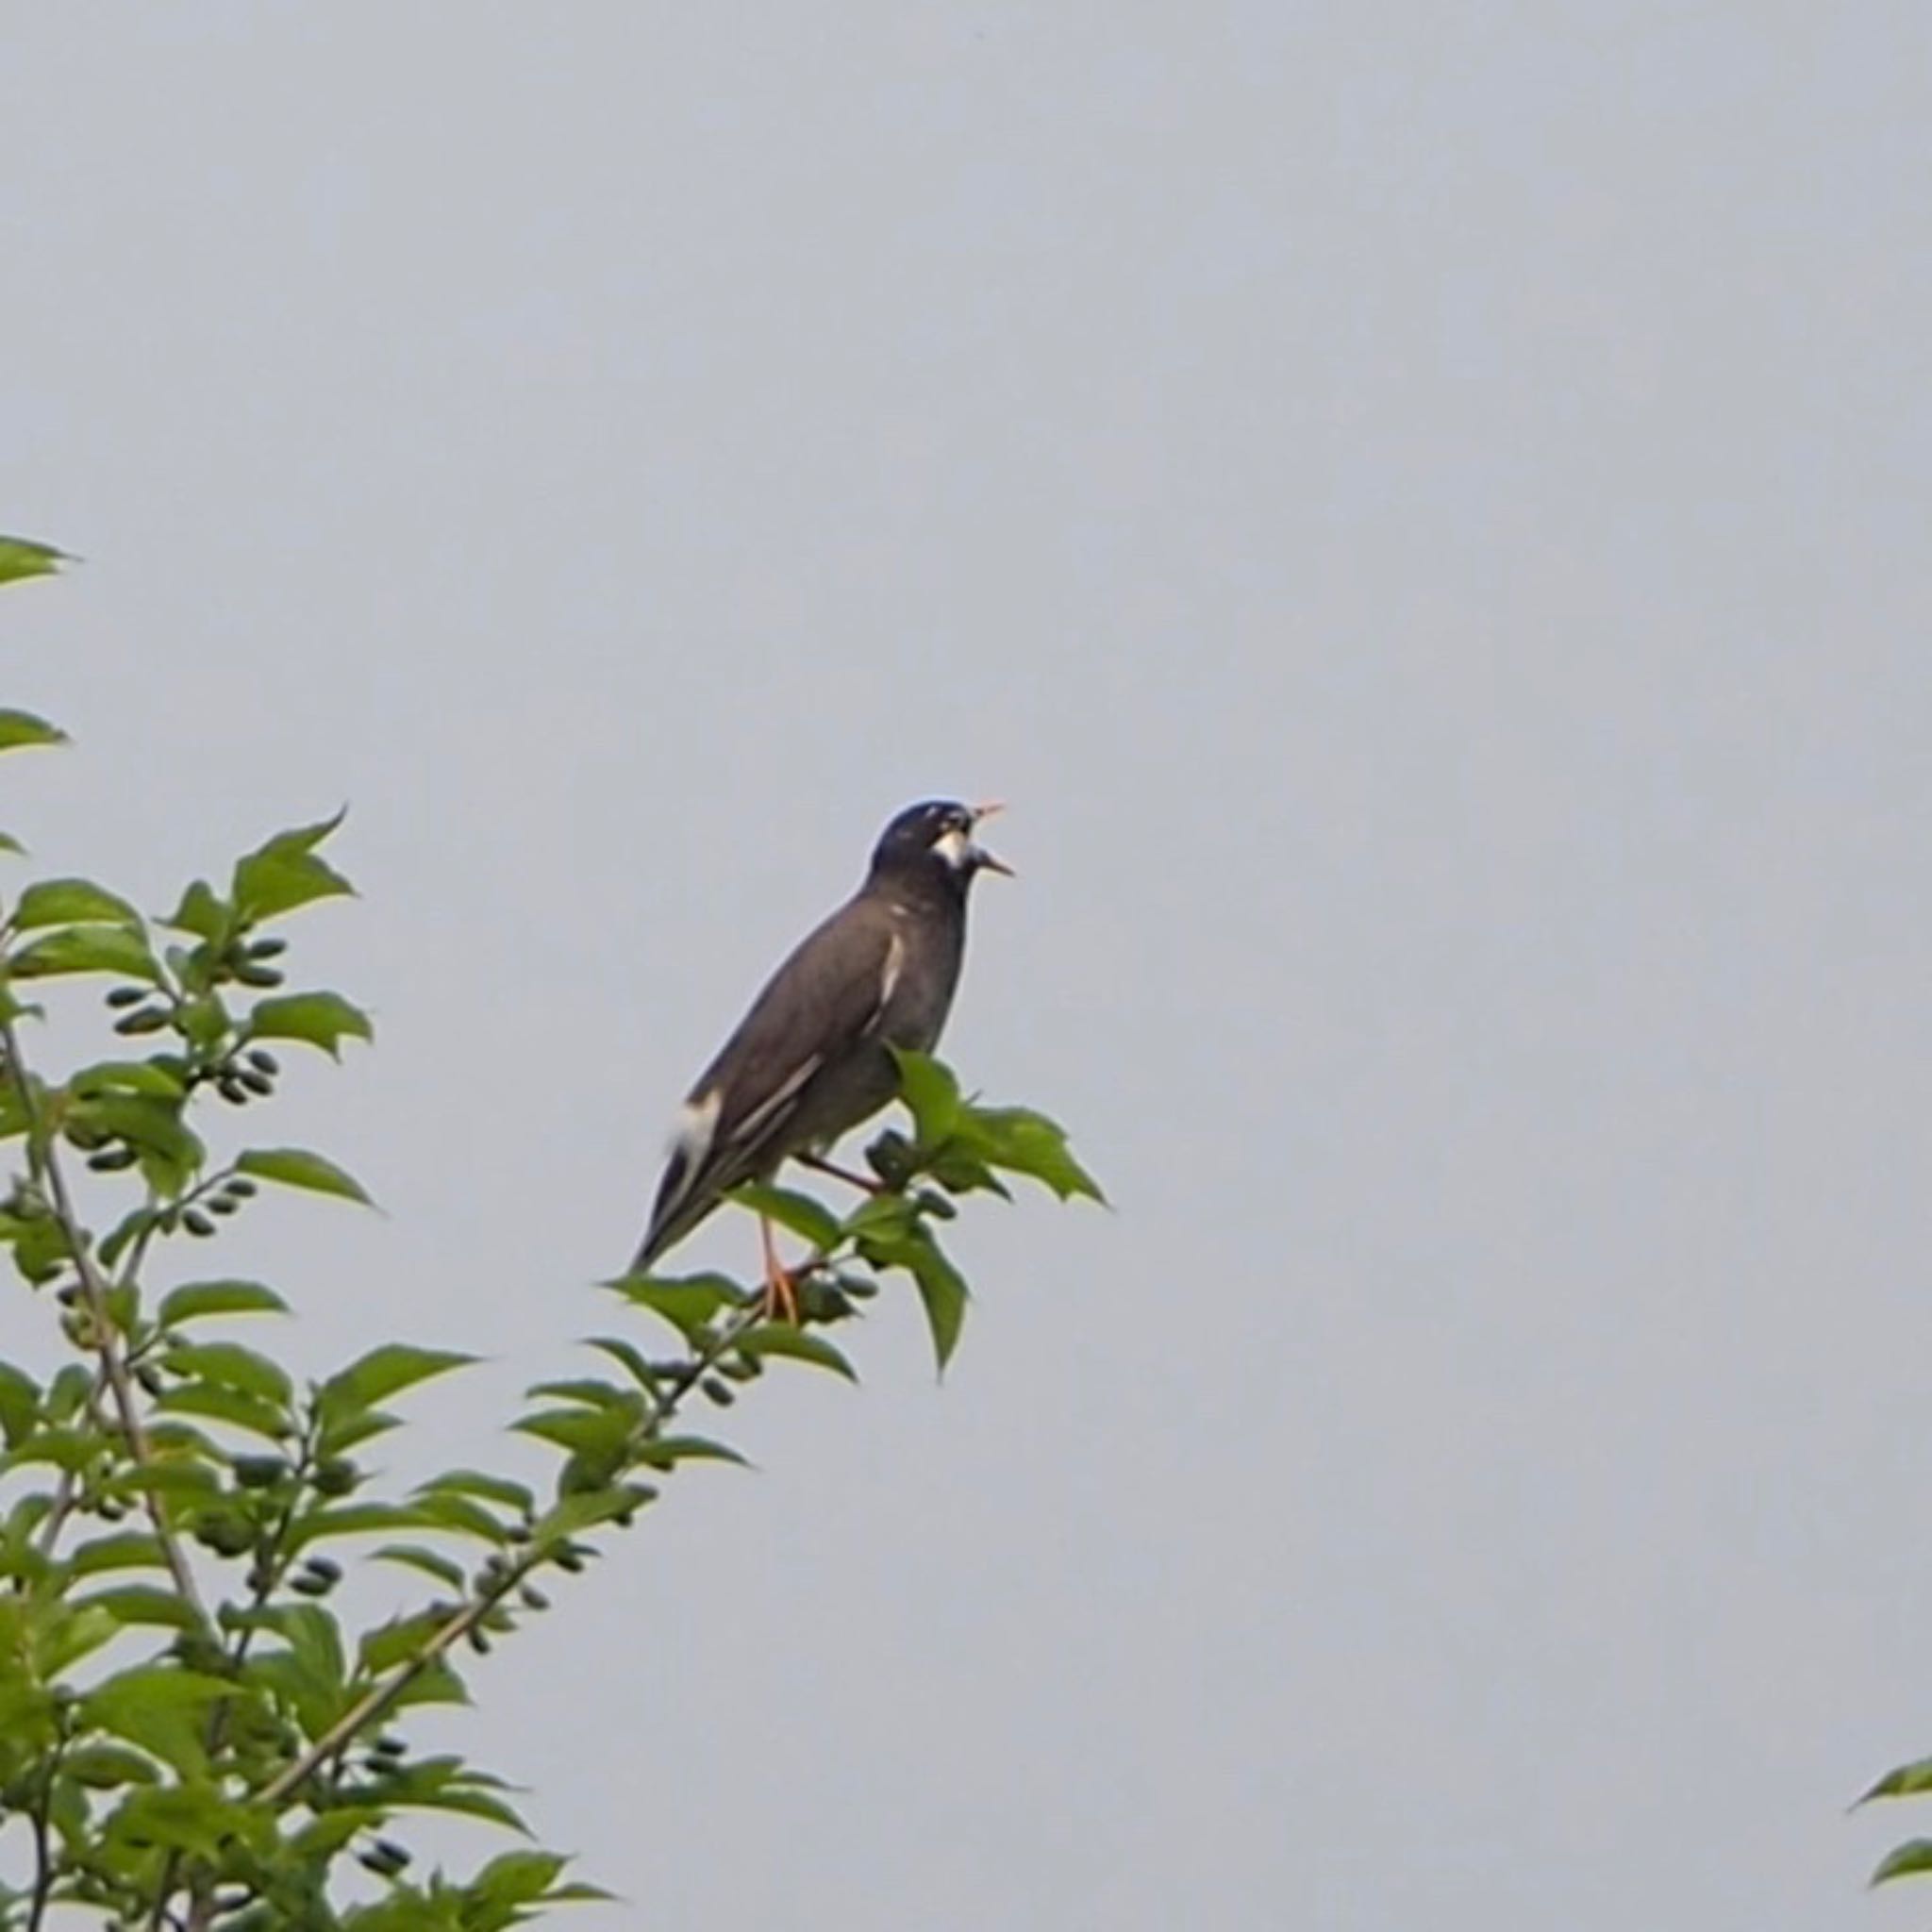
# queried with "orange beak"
point(987, 861)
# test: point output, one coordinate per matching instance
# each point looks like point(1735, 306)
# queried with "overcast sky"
point(1422, 512)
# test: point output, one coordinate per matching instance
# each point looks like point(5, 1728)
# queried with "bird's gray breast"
point(920, 973)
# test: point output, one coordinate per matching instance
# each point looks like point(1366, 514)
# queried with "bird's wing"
point(823, 1001)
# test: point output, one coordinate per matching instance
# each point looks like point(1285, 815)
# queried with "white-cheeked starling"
point(812, 1059)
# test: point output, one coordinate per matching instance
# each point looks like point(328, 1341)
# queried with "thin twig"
point(165, 1890)
point(866, 1184)
point(43, 1860)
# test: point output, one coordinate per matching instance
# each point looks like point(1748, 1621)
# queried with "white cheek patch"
point(698, 1121)
point(955, 847)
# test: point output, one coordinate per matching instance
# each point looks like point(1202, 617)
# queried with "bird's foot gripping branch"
point(956, 1147)
point(211, 1720)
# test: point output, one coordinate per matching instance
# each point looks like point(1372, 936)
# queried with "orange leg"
point(781, 1293)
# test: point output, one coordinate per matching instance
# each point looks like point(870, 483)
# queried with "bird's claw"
point(780, 1298)
point(781, 1284)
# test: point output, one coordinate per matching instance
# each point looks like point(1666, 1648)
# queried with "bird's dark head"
point(935, 841)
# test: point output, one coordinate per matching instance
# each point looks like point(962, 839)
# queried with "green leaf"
point(430, 1562)
point(890, 1233)
point(101, 1767)
point(598, 1433)
point(667, 1452)
point(1912, 1860)
point(353, 1519)
point(885, 1217)
point(172, 1475)
point(155, 1127)
point(943, 1292)
point(314, 1638)
point(960, 1170)
point(590, 1391)
point(72, 1635)
point(931, 1094)
point(158, 1707)
point(384, 1372)
point(285, 873)
point(809, 1218)
point(22, 557)
point(68, 1392)
point(311, 1671)
point(87, 949)
point(225, 1403)
point(1027, 1142)
point(324, 1836)
point(200, 912)
point(687, 1302)
point(517, 1878)
point(232, 1366)
point(65, 1449)
point(191, 1818)
point(438, 1684)
point(124, 1234)
point(40, 1246)
point(1907, 1781)
point(444, 1784)
point(9, 843)
point(474, 1482)
point(585, 1510)
point(387, 1645)
point(795, 1344)
point(73, 902)
point(631, 1357)
point(339, 1436)
point(20, 729)
point(461, 1516)
point(20, 1404)
point(296, 1167)
point(147, 1077)
point(317, 1018)
point(197, 1301)
point(180, 1439)
point(143, 1603)
point(127, 1549)
point(11, 1008)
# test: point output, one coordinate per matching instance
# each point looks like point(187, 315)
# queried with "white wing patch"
point(698, 1121)
point(895, 964)
point(747, 1128)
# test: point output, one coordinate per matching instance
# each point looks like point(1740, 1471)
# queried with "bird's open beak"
point(981, 857)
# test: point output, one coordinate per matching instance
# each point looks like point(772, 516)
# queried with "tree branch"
point(380, 1697)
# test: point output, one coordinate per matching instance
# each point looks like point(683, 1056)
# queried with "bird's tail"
point(678, 1209)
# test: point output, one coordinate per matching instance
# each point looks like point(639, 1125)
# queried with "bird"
point(811, 1058)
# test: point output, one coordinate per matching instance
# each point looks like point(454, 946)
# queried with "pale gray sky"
point(1422, 509)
